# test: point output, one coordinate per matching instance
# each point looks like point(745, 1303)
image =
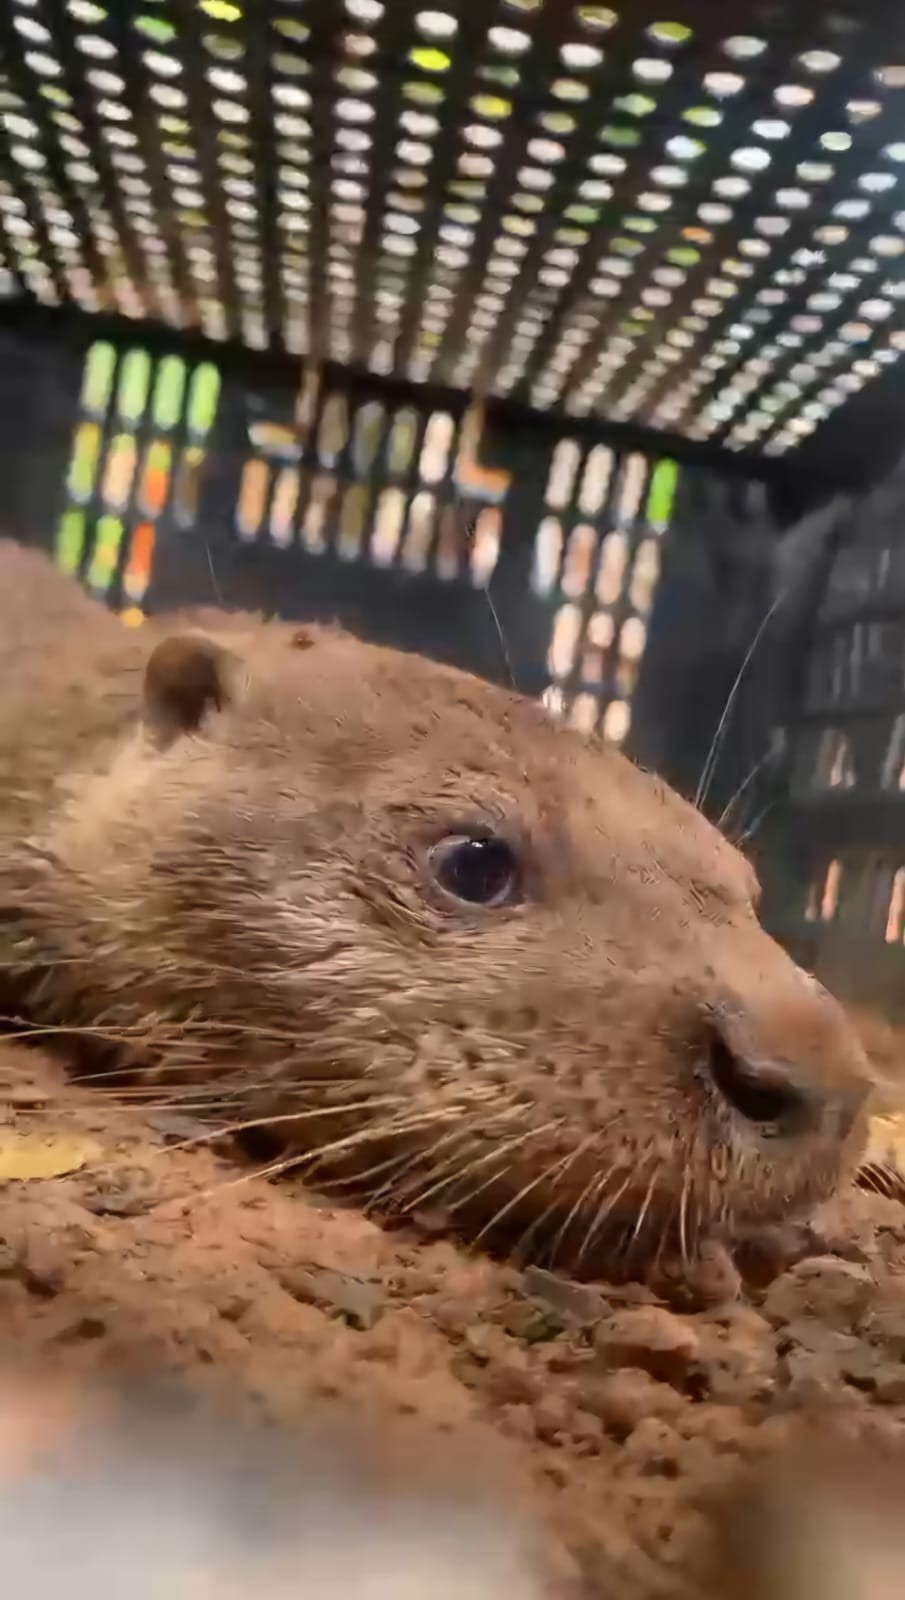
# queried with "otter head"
point(447, 947)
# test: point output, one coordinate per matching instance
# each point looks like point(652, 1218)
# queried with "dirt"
point(620, 1415)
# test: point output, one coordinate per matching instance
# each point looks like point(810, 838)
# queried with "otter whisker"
point(360, 1178)
point(422, 1196)
point(544, 1177)
point(597, 1188)
point(150, 1108)
point(272, 1169)
point(555, 1202)
point(303, 1158)
point(604, 1210)
point(709, 767)
point(495, 1176)
point(574, 1211)
point(683, 1220)
point(387, 1129)
point(669, 1218)
point(227, 1129)
point(415, 1161)
point(645, 1207)
point(460, 1173)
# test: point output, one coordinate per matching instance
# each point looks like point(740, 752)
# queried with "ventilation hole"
point(597, 19)
point(815, 171)
point(564, 641)
point(254, 491)
point(593, 663)
point(645, 575)
point(682, 148)
point(436, 24)
point(669, 177)
point(430, 59)
point(352, 523)
point(509, 41)
point(283, 505)
point(418, 539)
point(860, 111)
point(631, 488)
point(703, 116)
point(896, 915)
point(186, 487)
point(584, 713)
point(548, 549)
point(97, 384)
point(70, 540)
point(388, 522)
point(829, 900)
point(819, 62)
point(750, 158)
point(616, 721)
point(563, 469)
point(611, 571)
point(744, 47)
point(622, 138)
point(669, 34)
point(596, 480)
point(203, 400)
point(155, 479)
point(401, 444)
point(108, 541)
point(581, 57)
point(772, 128)
point(661, 495)
point(723, 85)
point(321, 498)
point(485, 547)
point(793, 95)
point(134, 383)
point(138, 570)
point(651, 69)
point(436, 450)
point(448, 543)
point(119, 471)
point(578, 565)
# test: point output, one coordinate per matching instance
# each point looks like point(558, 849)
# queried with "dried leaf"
point(27, 1156)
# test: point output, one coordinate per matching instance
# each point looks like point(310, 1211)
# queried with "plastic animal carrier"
point(561, 341)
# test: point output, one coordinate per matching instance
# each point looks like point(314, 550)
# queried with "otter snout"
point(784, 1100)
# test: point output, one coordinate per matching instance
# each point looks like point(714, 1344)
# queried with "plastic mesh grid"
point(639, 214)
point(847, 748)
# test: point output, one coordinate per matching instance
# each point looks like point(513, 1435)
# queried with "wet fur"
point(249, 910)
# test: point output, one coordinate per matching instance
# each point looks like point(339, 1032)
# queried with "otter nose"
point(781, 1099)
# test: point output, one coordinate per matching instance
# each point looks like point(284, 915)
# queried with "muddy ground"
point(621, 1414)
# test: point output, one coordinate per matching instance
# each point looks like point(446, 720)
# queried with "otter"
point(454, 954)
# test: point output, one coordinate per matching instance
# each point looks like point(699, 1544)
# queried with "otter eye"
point(480, 871)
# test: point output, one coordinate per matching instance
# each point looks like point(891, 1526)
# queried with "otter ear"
point(187, 678)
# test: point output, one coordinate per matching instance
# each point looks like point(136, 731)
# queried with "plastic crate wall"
point(617, 584)
point(842, 896)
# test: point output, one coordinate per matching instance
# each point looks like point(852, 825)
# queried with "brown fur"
point(251, 907)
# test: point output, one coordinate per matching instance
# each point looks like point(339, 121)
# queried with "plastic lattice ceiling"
point(687, 215)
